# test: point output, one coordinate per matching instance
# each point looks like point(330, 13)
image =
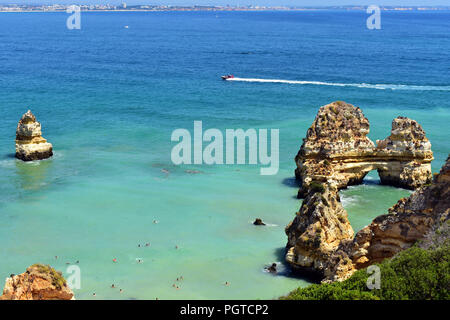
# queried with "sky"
point(246, 2)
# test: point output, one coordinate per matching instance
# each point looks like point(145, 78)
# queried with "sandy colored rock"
point(30, 145)
point(337, 151)
point(38, 282)
point(409, 220)
point(317, 230)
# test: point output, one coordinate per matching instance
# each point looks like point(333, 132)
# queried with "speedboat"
point(228, 76)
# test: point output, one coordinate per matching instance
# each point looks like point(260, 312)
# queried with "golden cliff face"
point(317, 230)
point(30, 145)
point(38, 282)
point(337, 153)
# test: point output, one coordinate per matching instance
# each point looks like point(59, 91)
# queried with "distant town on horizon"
point(149, 7)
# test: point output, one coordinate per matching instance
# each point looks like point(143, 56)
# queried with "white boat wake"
point(358, 85)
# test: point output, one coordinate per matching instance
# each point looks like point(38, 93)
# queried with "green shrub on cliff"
point(416, 274)
point(316, 187)
point(47, 272)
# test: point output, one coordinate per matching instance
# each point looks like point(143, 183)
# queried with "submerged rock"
point(38, 282)
point(272, 268)
point(337, 151)
point(258, 222)
point(30, 145)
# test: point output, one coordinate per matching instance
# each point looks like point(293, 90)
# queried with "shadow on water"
point(285, 270)
point(291, 182)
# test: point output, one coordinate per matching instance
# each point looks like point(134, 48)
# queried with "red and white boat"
point(228, 76)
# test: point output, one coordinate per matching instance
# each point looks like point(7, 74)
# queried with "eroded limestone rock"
point(317, 230)
point(338, 152)
point(409, 153)
point(30, 145)
point(409, 220)
point(38, 282)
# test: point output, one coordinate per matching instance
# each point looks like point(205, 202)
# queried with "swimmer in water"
point(114, 260)
point(155, 221)
point(227, 283)
point(147, 244)
point(120, 290)
point(113, 286)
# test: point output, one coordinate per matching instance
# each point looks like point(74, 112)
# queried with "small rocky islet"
point(336, 153)
point(30, 145)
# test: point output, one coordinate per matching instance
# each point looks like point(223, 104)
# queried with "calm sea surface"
point(109, 97)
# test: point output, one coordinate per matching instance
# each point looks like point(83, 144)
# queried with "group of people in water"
point(272, 268)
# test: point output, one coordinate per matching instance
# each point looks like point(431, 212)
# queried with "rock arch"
point(336, 153)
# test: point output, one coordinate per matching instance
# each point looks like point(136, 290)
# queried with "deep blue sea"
point(109, 97)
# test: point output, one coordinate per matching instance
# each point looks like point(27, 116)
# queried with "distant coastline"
point(155, 8)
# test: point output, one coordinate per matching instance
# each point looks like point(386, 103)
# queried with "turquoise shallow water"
point(109, 98)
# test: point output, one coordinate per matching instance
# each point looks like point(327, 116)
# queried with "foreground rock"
point(38, 282)
point(30, 145)
point(338, 152)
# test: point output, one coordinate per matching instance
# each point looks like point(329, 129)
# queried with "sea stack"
point(30, 145)
point(38, 282)
point(337, 151)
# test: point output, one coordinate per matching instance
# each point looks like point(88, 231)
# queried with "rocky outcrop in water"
point(30, 145)
point(408, 154)
point(338, 152)
point(38, 282)
point(317, 230)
